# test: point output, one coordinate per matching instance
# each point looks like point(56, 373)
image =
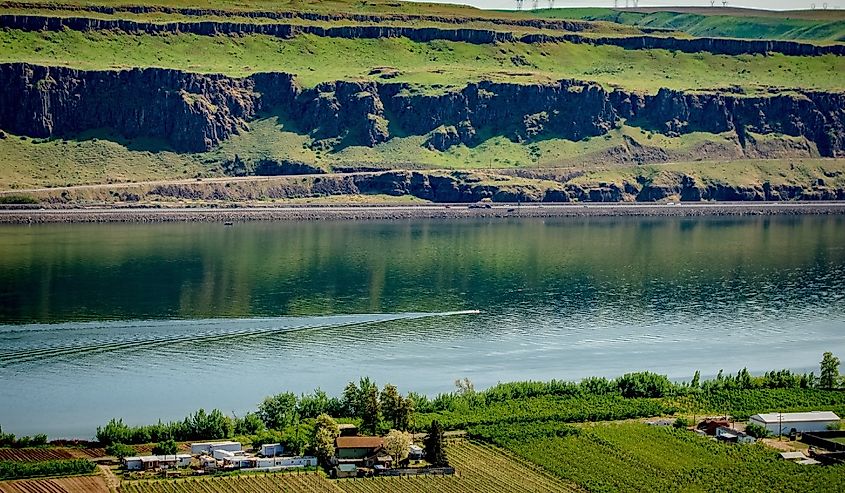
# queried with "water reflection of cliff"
point(639, 266)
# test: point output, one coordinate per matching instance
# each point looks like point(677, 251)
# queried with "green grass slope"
point(432, 65)
point(746, 24)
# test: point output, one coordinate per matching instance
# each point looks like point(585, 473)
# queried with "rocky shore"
point(23, 215)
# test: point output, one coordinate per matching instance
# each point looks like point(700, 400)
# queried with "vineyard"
point(49, 453)
point(633, 457)
point(480, 468)
point(288, 482)
point(79, 484)
point(34, 454)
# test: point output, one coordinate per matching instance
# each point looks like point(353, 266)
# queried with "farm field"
point(48, 453)
point(78, 484)
point(480, 468)
point(294, 483)
point(634, 457)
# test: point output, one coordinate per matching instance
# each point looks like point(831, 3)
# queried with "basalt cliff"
point(196, 112)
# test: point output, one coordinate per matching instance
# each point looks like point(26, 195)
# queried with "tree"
point(349, 401)
point(278, 411)
point(644, 384)
point(120, 450)
point(829, 376)
point(167, 447)
point(464, 386)
point(696, 380)
point(404, 414)
point(398, 445)
point(681, 422)
point(390, 403)
point(434, 452)
point(371, 419)
point(325, 433)
point(114, 432)
point(250, 424)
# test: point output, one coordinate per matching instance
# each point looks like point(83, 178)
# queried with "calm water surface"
point(154, 321)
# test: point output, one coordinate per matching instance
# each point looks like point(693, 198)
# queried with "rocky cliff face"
point(195, 112)
point(558, 24)
point(721, 46)
point(820, 117)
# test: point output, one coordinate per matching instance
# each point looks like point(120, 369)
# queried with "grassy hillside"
point(429, 67)
point(434, 64)
point(729, 23)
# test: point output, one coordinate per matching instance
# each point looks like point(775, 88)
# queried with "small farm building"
point(210, 447)
point(272, 449)
point(148, 462)
point(784, 423)
point(734, 436)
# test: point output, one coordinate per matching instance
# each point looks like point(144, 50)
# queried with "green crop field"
point(634, 457)
point(434, 65)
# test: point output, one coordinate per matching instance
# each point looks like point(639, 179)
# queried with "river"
point(149, 321)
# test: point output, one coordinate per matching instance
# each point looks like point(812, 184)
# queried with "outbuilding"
point(209, 447)
point(272, 449)
point(733, 436)
point(150, 462)
point(785, 423)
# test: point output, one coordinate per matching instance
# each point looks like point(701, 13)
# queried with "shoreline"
point(401, 212)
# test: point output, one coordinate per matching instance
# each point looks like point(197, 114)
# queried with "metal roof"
point(359, 442)
point(774, 418)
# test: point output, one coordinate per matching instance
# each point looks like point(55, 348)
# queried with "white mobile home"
point(784, 423)
point(148, 462)
point(210, 447)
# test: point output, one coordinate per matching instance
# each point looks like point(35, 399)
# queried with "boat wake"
point(24, 344)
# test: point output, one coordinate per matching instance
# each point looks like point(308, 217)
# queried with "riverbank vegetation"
point(288, 418)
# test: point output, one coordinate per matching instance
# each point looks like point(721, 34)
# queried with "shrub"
point(757, 431)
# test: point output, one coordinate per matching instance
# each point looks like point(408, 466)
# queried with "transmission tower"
point(519, 4)
point(535, 4)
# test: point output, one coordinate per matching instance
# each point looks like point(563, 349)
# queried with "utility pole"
point(780, 426)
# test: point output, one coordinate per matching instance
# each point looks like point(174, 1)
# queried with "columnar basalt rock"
point(195, 112)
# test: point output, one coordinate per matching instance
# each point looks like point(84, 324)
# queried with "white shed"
point(800, 422)
point(210, 447)
point(272, 449)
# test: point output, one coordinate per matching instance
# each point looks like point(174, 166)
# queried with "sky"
point(757, 4)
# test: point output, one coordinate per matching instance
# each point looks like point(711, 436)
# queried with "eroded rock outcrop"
point(195, 112)
point(719, 46)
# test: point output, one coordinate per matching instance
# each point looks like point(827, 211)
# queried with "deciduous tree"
point(398, 444)
point(829, 376)
point(326, 432)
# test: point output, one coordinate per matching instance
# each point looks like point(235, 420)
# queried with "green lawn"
point(433, 65)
